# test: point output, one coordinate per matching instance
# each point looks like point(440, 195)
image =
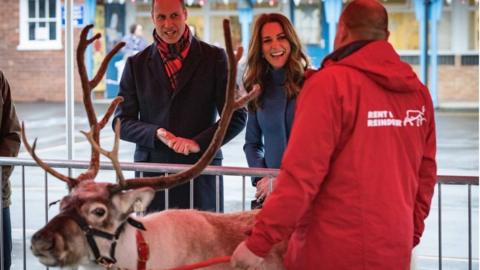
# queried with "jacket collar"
point(158, 70)
point(190, 64)
point(345, 51)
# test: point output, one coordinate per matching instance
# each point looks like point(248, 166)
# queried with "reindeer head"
point(94, 213)
point(90, 210)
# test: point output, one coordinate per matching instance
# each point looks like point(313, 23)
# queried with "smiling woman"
point(278, 64)
point(275, 45)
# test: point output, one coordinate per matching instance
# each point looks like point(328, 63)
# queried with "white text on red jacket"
point(386, 118)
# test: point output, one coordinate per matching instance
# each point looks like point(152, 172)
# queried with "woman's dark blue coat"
point(268, 128)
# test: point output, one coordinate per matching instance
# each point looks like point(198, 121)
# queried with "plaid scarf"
point(173, 54)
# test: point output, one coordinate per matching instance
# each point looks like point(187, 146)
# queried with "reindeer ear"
point(131, 199)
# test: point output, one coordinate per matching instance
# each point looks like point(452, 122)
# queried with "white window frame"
point(471, 8)
point(25, 43)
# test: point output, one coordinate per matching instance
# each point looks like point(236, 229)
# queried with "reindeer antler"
point(87, 87)
point(70, 181)
point(112, 155)
point(164, 182)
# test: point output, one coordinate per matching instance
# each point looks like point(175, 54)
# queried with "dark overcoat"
point(190, 111)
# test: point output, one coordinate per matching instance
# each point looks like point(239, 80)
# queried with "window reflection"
point(31, 8)
point(197, 25)
point(473, 25)
point(42, 8)
point(216, 36)
point(404, 29)
point(308, 22)
point(444, 28)
point(52, 8)
point(31, 31)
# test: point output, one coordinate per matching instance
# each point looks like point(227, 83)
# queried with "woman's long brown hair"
point(257, 67)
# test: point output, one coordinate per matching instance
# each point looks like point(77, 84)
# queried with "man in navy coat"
point(173, 91)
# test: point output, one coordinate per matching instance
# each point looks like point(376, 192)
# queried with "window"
point(444, 31)
point(223, 5)
point(197, 25)
point(216, 35)
point(473, 30)
point(40, 25)
point(403, 28)
point(307, 22)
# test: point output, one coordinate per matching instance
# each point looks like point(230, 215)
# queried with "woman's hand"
point(264, 187)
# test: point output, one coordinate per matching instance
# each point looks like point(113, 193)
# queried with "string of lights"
point(270, 2)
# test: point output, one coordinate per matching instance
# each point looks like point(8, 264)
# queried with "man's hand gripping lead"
point(243, 258)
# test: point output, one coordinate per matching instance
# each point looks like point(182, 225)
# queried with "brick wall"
point(33, 75)
point(457, 83)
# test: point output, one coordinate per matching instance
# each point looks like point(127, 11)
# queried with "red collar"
point(143, 251)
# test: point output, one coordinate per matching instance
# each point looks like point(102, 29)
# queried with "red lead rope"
point(216, 260)
point(144, 254)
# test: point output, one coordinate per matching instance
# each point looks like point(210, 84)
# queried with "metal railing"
point(444, 178)
point(455, 178)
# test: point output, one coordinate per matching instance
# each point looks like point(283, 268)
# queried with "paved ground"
point(457, 151)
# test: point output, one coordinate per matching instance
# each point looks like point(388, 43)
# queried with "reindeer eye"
point(99, 212)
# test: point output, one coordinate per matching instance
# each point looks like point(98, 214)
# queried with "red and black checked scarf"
point(173, 54)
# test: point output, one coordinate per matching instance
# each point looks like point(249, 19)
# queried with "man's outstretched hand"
point(243, 258)
point(178, 144)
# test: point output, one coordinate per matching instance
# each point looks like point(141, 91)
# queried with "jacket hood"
point(379, 61)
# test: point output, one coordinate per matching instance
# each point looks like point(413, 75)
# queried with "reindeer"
point(96, 228)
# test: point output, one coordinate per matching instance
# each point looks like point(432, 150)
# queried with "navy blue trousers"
point(7, 239)
point(204, 195)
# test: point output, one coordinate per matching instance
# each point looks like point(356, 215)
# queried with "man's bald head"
point(362, 20)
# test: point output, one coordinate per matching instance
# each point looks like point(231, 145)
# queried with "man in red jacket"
point(358, 174)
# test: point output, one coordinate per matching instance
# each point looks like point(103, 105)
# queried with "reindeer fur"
point(175, 237)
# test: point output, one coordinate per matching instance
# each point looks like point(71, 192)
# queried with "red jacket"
point(359, 171)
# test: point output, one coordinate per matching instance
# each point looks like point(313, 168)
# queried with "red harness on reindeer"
point(143, 251)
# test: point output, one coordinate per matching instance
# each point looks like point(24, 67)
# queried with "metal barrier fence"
point(444, 178)
point(455, 179)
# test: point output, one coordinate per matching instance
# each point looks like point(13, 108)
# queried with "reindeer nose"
point(42, 242)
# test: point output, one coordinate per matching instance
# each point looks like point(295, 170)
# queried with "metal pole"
point(46, 201)
point(470, 227)
point(166, 197)
point(207, 16)
point(425, 48)
point(69, 78)
point(243, 193)
point(1, 219)
point(291, 5)
point(217, 193)
point(434, 6)
point(439, 226)
point(46, 197)
point(191, 194)
point(24, 221)
point(270, 184)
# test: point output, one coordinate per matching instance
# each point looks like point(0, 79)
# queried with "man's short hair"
point(181, 2)
point(366, 19)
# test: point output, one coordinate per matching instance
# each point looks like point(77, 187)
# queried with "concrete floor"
point(457, 139)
